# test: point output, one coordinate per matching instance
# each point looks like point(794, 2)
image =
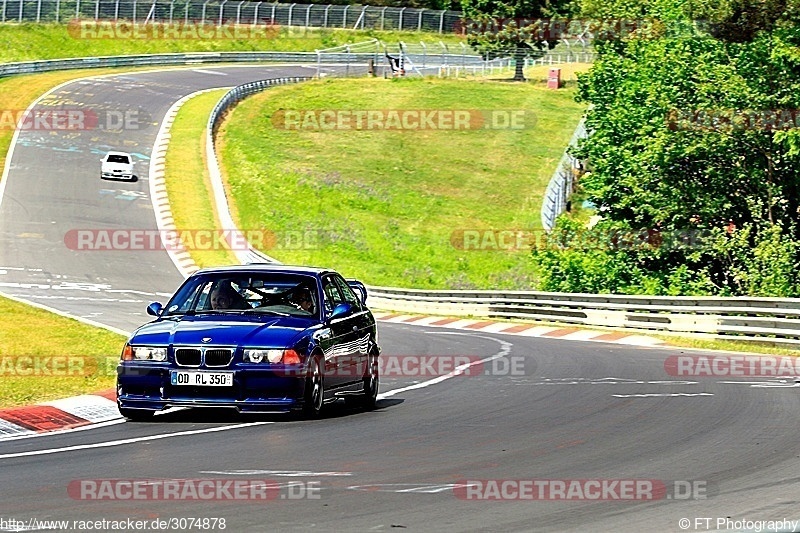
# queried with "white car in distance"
point(117, 165)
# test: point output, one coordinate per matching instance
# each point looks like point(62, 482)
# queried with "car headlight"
point(144, 353)
point(271, 356)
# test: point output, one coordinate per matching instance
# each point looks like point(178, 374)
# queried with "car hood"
point(109, 167)
point(271, 332)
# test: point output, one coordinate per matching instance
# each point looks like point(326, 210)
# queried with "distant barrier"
point(774, 320)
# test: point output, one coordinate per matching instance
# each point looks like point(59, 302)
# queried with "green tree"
point(523, 27)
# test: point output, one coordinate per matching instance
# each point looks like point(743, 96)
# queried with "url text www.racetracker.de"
point(122, 524)
point(733, 524)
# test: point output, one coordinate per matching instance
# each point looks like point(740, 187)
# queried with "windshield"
point(266, 293)
point(118, 159)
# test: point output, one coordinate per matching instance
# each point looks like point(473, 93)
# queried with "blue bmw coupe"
point(258, 338)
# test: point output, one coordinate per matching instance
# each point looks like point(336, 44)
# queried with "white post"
point(291, 7)
point(325, 17)
point(255, 14)
point(344, 16)
point(203, 12)
point(400, 22)
point(308, 15)
point(419, 21)
point(221, 10)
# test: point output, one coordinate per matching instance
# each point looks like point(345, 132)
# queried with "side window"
point(348, 294)
point(332, 295)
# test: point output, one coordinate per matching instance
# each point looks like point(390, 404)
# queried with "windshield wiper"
point(259, 310)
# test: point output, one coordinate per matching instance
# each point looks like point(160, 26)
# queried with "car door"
point(361, 323)
point(343, 335)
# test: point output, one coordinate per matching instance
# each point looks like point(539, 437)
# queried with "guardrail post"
point(308, 15)
point(255, 13)
point(400, 22)
point(58, 10)
point(97, 10)
point(441, 22)
point(291, 8)
point(203, 21)
point(272, 17)
point(38, 11)
point(185, 16)
point(221, 11)
point(419, 21)
point(344, 16)
point(20, 10)
point(383, 16)
point(325, 16)
point(78, 9)
point(134, 11)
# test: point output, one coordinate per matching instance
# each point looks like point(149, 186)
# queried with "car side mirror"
point(341, 310)
point(155, 309)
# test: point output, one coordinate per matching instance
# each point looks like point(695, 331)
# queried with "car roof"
point(267, 267)
point(118, 153)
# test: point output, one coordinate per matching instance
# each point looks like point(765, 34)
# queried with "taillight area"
point(127, 353)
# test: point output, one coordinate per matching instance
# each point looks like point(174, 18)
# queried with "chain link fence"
point(219, 12)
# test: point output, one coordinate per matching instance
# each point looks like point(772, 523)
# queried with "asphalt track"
point(570, 410)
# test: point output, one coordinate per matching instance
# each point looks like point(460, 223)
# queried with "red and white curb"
point(68, 413)
point(524, 330)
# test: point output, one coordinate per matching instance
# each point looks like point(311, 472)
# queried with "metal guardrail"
point(28, 67)
point(774, 320)
point(192, 58)
point(231, 98)
point(560, 186)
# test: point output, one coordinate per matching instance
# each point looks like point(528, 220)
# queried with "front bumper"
point(117, 175)
point(279, 388)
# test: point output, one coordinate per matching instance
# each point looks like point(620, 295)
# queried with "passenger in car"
point(223, 296)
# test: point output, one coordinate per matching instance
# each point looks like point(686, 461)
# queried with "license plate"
point(203, 379)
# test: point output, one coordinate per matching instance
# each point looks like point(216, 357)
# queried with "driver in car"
point(224, 297)
point(302, 299)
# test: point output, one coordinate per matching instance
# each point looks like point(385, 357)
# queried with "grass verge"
point(390, 207)
point(29, 41)
point(44, 356)
point(186, 176)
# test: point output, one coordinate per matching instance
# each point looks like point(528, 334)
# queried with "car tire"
point(369, 397)
point(136, 415)
point(372, 381)
point(314, 396)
